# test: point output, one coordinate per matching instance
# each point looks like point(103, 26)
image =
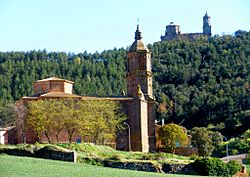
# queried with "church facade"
point(173, 31)
point(138, 104)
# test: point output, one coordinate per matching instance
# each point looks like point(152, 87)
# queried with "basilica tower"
point(207, 25)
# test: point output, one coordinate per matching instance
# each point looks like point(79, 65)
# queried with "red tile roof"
point(67, 95)
point(55, 79)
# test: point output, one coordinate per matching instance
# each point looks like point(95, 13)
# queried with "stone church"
point(138, 104)
point(173, 31)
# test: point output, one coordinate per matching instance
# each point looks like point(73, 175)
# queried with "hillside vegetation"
point(199, 83)
point(96, 154)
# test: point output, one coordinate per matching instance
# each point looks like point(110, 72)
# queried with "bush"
point(234, 151)
point(115, 157)
point(233, 167)
point(240, 145)
point(212, 167)
point(91, 161)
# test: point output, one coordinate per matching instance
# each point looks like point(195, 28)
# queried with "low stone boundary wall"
point(150, 167)
point(45, 152)
point(17, 152)
point(178, 169)
point(140, 166)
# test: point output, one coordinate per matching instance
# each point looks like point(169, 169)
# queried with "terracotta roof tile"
point(54, 79)
point(67, 95)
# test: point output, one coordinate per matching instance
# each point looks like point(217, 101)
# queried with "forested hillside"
point(199, 83)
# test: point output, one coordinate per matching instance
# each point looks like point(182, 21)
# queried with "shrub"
point(234, 151)
point(210, 167)
point(233, 167)
point(237, 144)
point(241, 146)
point(216, 167)
point(91, 161)
point(115, 157)
point(146, 157)
point(246, 135)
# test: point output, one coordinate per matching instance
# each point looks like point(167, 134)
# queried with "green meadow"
point(13, 166)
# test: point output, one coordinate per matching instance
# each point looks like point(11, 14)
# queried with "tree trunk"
point(57, 135)
point(70, 134)
point(47, 136)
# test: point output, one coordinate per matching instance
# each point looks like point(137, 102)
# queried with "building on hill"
point(138, 104)
point(173, 31)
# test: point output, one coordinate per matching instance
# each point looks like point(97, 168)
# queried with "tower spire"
point(138, 35)
point(138, 44)
point(207, 25)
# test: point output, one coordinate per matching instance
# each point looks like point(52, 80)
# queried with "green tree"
point(202, 140)
point(40, 117)
point(100, 120)
point(216, 137)
point(58, 115)
point(246, 135)
point(171, 135)
point(7, 115)
point(95, 120)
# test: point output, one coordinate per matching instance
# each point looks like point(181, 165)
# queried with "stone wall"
point(178, 169)
point(150, 167)
point(139, 166)
point(48, 153)
point(45, 153)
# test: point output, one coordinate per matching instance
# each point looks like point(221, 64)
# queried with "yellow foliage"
point(172, 134)
point(97, 121)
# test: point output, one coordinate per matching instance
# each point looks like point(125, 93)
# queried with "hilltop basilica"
point(173, 31)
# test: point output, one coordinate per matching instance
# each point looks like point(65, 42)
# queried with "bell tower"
point(139, 68)
point(207, 25)
point(139, 87)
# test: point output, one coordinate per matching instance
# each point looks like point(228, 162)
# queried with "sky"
point(97, 25)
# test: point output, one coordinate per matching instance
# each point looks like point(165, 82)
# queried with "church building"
point(138, 104)
point(173, 31)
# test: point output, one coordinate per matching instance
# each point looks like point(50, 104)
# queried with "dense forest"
point(196, 83)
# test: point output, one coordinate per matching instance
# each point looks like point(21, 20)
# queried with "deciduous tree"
point(202, 140)
point(7, 115)
point(171, 135)
point(96, 120)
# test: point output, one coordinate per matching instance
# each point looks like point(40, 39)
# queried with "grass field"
point(248, 168)
point(12, 166)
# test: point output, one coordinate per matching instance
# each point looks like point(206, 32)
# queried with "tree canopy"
point(7, 115)
point(201, 138)
point(171, 135)
point(196, 83)
point(95, 121)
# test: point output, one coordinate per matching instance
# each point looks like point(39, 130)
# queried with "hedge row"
point(216, 167)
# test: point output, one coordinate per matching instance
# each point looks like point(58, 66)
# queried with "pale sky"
point(97, 25)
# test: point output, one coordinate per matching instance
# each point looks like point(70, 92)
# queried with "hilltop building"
point(173, 31)
point(138, 104)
